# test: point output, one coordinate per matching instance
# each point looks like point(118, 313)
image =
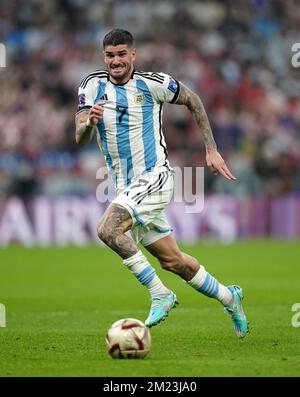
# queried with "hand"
point(96, 113)
point(216, 164)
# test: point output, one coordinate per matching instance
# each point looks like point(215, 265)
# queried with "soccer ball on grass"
point(128, 338)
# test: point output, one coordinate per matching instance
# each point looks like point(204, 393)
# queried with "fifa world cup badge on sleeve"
point(172, 85)
point(81, 100)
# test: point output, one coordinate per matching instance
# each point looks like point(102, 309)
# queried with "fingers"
point(217, 164)
point(228, 173)
point(96, 113)
point(224, 170)
point(213, 170)
point(98, 107)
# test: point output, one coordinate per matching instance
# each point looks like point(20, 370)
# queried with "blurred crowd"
point(235, 55)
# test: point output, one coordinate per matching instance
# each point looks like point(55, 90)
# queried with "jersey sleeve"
point(86, 94)
point(166, 88)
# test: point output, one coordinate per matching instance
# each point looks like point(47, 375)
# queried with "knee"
point(171, 263)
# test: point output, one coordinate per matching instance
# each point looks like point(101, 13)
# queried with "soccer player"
point(124, 107)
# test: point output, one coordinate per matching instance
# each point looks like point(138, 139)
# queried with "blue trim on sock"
point(146, 275)
point(210, 287)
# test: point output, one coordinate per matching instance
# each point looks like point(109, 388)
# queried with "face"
point(119, 61)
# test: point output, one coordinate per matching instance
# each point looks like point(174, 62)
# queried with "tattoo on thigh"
point(117, 222)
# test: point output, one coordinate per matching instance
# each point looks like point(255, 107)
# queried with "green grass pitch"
point(60, 302)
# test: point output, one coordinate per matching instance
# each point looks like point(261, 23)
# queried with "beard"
point(120, 71)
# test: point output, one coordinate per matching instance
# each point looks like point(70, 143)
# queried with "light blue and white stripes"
point(129, 134)
point(146, 275)
point(206, 284)
point(123, 133)
point(102, 139)
point(150, 154)
point(210, 286)
point(139, 266)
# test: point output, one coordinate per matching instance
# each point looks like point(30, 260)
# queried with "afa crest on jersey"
point(139, 98)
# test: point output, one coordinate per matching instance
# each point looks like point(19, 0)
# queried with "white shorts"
point(145, 199)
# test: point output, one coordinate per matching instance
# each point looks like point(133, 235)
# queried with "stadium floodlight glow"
point(2, 55)
point(2, 316)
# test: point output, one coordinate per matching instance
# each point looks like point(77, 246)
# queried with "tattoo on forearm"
point(83, 133)
point(115, 225)
point(195, 105)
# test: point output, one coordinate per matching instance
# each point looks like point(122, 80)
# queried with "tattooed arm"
point(85, 122)
point(213, 158)
point(84, 132)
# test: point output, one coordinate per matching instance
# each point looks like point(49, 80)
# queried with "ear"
point(133, 53)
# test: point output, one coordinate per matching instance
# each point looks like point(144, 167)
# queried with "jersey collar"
point(131, 77)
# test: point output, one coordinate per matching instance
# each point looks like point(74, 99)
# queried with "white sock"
point(138, 265)
point(209, 286)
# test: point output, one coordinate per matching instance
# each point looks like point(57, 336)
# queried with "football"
point(128, 338)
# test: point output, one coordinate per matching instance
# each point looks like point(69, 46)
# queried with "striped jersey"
point(130, 132)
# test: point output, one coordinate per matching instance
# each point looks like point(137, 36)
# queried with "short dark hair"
point(118, 36)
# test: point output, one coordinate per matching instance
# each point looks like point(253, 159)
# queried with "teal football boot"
point(235, 310)
point(160, 307)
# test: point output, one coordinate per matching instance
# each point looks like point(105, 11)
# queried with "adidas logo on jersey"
point(104, 98)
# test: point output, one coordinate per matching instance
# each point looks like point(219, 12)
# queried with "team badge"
point(139, 98)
